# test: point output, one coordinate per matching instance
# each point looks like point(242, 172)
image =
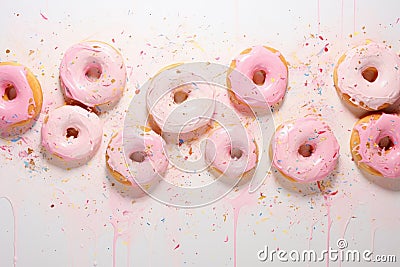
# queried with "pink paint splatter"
point(43, 16)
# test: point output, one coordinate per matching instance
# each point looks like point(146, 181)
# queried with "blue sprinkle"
point(16, 139)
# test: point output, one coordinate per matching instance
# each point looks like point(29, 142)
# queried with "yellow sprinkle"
point(145, 129)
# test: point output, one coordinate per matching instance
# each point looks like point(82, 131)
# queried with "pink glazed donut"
point(145, 157)
point(305, 150)
point(93, 75)
point(258, 77)
point(21, 99)
point(229, 153)
point(175, 105)
point(375, 144)
point(368, 76)
point(72, 133)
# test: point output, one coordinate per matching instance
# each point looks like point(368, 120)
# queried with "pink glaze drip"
point(237, 203)
point(124, 215)
point(70, 149)
point(15, 110)
point(319, 15)
point(291, 136)
point(15, 228)
point(155, 162)
point(218, 152)
point(384, 90)
point(328, 205)
point(385, 162)
point(115, 239)
point(354, 15)
point(259, 58)
point(79, 59)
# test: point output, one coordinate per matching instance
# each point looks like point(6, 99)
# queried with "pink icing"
point(385, 162)
point(384, 90)
point(155, 162)
point(80, 149)
point(274, 87)
point(15, 110)
point(287, 141)
point(82, 57)
point(218, 151)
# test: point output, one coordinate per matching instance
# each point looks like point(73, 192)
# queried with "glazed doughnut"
point(178, 107)
point(375, 144)
point(72, 133)
point(21, 100)
point(93, 75)
point(305, 150)
point(368, 76)
point(229, 153)
point(145, 158)
point(258, 77)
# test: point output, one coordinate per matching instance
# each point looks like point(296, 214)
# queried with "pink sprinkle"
point(43, 16)
point(320, 37)
point(226, 239)
point(177, 246)
point(217, 58)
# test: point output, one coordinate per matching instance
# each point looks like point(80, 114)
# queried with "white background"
point(77, 231)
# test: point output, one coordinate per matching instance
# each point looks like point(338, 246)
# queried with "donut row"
point(93, 77)
point(367, 76)
point(304, 150)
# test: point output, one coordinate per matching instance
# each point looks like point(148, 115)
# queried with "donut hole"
point(138, 156)
point(370, 74)
point(259, 77)
point(236, 153)
point(385, 143)
point(10, 92)
point(93, 72)
point(180, 96)
point(306, 150)
point(72, 132)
